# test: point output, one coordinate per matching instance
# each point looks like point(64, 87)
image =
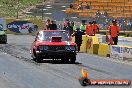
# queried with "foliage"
point(9, 8)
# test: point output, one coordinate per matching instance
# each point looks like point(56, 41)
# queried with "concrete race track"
point(18, 70)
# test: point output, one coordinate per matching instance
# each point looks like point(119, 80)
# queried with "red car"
point(53, 44)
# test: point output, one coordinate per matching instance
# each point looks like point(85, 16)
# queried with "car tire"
point(73, 59)
point(38, 59)
point(65, 60)
point(35, 58)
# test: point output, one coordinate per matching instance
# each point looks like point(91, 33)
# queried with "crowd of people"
point(89, 29)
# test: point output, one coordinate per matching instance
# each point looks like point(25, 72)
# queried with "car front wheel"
point(73, 59)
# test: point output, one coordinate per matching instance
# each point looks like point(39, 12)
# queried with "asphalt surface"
point(18, 70)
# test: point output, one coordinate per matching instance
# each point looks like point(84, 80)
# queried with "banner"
point(2, 24)
point(116, 52)
point(127, 53)
point(23, 26)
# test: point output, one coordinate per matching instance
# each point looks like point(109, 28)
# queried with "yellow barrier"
point(84, 42)
point(91, 40)
point(25, 26)
point(95, 48)
point(103, 50)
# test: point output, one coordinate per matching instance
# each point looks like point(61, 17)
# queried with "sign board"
point(116, 52)
point(23, 26)
point(127, 52)
point(2, 24)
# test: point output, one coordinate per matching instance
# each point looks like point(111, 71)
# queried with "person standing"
point(95, 27)
point(89, 29)
point(114, 32)
point(47, 23)
point(73, 26)
point(52, 26)
point(78, 38)
point(83, 27)
point(68, 28)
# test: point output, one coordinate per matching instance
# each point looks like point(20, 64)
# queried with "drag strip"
point(27, 72)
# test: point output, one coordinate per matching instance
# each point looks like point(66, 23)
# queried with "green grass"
point(8, 8)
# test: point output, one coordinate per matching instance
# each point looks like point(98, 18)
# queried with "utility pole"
point(17, 9)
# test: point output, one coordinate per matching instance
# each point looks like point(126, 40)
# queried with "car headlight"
point(43, 47)
point(67, 47)
point(72, 48)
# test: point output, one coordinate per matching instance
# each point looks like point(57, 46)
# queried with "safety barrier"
point(92, 42)
point(103, 50)
point(23, 26)
point(127, 53)
point(121, 52)
point(84, 42)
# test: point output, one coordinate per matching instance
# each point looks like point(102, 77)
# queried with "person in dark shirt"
point(52, 26)
point(68, 28)
point(78, 38)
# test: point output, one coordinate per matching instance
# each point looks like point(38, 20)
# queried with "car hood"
point(2, 33)
point(54, 43)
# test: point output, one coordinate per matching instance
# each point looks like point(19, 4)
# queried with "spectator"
point(87, 6)
point(98, 14)
point(95, 27)
point(78, 38)
point(89, 29)
point(114, 32)
point(80, 7)
point(71, 6)
point(83, 26)
point(47, 23)
point(52, 26)
point(106, 14)
point(73, 26)
point(68, 28)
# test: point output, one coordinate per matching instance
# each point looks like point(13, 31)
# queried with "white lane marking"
point(48, 7)
point(45, 9)
point(73, 17)
point(47, 13)
point(63, 6)
point(28, 12)
point(63, 10)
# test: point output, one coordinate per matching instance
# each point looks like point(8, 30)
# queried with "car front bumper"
point(55, 54)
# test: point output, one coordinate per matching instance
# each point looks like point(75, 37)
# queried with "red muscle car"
point(53, 44)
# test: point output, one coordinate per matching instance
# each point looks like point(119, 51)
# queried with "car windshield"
point(48, 35)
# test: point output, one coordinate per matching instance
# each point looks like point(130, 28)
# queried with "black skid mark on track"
point(8, 49)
